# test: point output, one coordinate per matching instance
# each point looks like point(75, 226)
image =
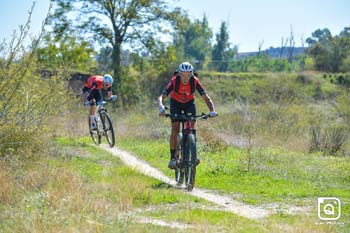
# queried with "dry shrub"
point(147, 125)
point(24, 143)
point(71, 123)
point(211, 140)
point(6, 181)
point(330, 140)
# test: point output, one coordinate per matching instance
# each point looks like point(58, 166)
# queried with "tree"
point(68, 54)
point(330, 53)
point(320, 49)
point(104, 59)
point(344, 43)
point(193, 41)
point(114, 22)
point(319, 36)
point(222, 52)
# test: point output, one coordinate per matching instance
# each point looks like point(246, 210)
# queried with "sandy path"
point(225, 202)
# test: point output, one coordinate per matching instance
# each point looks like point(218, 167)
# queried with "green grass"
point(81, 188)
point(103, 167)
point(213, 220)
point(210, 220)
point(274, 176)
point(84, 188)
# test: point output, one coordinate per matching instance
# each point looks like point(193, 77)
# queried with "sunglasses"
point(186, 73)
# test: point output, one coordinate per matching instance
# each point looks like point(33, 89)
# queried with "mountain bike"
point(103, 124)
point(186, 150)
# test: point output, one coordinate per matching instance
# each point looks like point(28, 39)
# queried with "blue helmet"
point(185, 67)
point(107, 80)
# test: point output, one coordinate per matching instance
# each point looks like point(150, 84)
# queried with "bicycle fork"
point(102, 122)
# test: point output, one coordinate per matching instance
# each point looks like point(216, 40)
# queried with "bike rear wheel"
point(108, 128)
point(95, 134)
point(190, 161)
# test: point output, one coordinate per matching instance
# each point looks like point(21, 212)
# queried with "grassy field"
point(274, 176)
point(257, 151)
point(82, 188)
point(281, 171)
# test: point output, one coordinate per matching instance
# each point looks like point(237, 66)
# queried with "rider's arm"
point(161, 99)
point(161, 108)
point(168, 89)
point(205, 96)
point(86, 92)
point(93, 86)
point(165, 93)
point(109, 94)
point(209, 102)
point(200, 88)
point(163, 96)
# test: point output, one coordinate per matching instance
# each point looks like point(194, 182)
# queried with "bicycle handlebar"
point(183, 117)
point(99, 103)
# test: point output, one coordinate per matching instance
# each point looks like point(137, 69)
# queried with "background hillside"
point(274, 52)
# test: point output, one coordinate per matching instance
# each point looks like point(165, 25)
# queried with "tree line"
point(131, 36)
point(132, 48)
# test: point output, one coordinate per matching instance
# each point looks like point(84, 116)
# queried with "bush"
point(304, 79)
point(330, 140)
point(27, 100)
point(27, 143)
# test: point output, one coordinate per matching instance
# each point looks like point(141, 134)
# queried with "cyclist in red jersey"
point(92, 93)
point(181, 89)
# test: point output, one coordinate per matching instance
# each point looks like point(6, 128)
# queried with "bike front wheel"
point(190, 161)
point(95, 134)
point(108, 129)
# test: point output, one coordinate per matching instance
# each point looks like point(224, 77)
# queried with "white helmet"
point(107, 80)
point(185, 67)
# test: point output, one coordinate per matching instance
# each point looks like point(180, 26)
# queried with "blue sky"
point(250, 22)
point(15, 12)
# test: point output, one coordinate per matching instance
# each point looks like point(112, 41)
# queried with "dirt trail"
point(225, 202)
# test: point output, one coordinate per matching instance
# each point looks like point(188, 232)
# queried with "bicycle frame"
point(100, 111)
point(104, 126)
point(186, 155)
point(99, 115)
point(186, 130)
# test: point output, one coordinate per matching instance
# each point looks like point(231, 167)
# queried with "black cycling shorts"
point(182, 108)
point(94, 94)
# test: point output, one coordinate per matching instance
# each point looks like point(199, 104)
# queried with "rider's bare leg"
point(92, 110)
point(175, 129)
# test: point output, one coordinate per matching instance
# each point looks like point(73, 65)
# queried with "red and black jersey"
point(95, 82)
point(183, 93)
